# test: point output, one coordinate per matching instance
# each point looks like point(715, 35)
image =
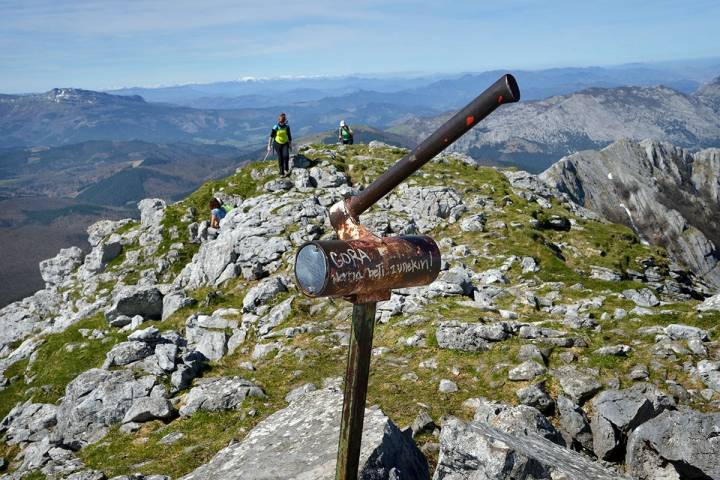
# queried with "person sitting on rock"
point(217, 212)
point(345, 135)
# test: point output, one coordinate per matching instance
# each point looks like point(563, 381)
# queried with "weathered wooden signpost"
point(363, 268)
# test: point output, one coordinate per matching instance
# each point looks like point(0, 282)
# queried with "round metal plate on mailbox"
point(311, 266)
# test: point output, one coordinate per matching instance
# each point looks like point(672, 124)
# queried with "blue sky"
point(98, 44)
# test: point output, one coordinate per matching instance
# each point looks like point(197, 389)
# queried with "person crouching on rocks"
point(281, 140)
point(218, 210)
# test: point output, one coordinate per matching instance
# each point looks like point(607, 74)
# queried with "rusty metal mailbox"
point(366, 267)
point(363, 268)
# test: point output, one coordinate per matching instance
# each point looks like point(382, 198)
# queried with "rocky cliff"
point(668, 195)
point(551, 339)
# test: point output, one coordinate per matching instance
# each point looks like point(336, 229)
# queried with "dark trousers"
point(283, 153)
point(349, 141)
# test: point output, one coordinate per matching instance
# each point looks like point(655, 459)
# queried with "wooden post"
point(356, 384)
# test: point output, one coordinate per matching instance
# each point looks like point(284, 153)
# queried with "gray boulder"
point(174, 301)
point(574, 425)
point(55, 270)
point(102, 254)
point(676, 445)
point(527, 370)
point(152, 212)
point(278, 314)
point(537, 397)
point(263, 292)
point(505, 443)
point(710, 304)
point(126, 353)
point(300, 442)
point(470, 337)
point(642, 298)
point(686, 332)
point(217, 394)
point(28, 422)
point(578, 384)
point(189, 367)
point(95, 400)
point(146, 301)
point(616, 413)
point(473, 223)
point(145, 409)
point(709, 373)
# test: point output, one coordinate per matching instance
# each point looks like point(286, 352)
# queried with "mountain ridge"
point(168, 350)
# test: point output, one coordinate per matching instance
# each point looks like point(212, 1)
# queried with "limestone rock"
point(56, 269)
point(217, 394)
point(146, 301)
point(300, 442)
point(675, 445)
point(642, 298)
point(263, 292)
point(145, 409)
point(470, 337)
point(617, 412)
point(578, 384)
point(574, 425)
point(95, 400)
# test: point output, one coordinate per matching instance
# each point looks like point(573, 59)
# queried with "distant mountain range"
point(442, 92)
point(533, 135)
point(67, 116)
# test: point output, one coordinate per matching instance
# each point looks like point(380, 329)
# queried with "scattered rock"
point(617, 412)
point(447, 386)
point(217, 394)
point(137, 300)
point(614, 350)
point(145, 409)
point(710, 304)
point(537, 397)
point(470, 337)
point(686, 332)
point(578, 384)
point(574, 425)
point(527, 370)
point(675, 444)
point(642, 298)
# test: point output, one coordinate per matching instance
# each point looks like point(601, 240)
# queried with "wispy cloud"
point(97, 44)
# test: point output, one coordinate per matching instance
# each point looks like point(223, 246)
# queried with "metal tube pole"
point(355, 393)
point(505, 90)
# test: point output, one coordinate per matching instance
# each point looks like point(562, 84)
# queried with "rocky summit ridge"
point(554, 344)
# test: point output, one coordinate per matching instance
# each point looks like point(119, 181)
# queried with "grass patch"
point(55, 366)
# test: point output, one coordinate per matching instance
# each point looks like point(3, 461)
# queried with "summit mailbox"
point(363, 268)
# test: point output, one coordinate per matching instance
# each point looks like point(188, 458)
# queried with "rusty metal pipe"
point(505, 90)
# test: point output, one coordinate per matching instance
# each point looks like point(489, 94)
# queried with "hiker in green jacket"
point(345, 135)
point(281, 140)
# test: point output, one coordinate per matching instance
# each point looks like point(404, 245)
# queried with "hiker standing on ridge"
point(281, 139)
point(345, 135)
